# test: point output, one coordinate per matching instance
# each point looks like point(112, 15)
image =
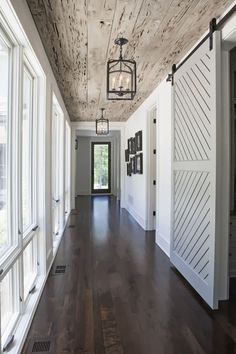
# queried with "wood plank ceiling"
point(78, 36)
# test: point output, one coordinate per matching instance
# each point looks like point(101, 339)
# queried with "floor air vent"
point(60, 269)
point(71, 226)
point(41, 347)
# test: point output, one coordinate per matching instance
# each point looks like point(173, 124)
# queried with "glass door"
point(101, 167)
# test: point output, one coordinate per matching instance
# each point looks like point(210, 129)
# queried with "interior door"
point(101, 167)
point(194, 179)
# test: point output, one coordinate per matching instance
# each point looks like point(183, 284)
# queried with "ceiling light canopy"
point(121, 76)
point(102, 124)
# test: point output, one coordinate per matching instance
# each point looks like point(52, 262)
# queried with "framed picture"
point(129, 169)
point(139, 163)
point(133, 146)
point(133, 164)
point(127, 155)
point(139, 141)
point(130, 145)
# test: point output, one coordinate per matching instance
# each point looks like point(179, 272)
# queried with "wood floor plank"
point(120, 294)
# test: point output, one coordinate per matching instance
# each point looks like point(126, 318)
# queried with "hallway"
point(119, 293)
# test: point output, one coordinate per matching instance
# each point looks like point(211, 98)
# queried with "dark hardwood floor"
point(119, 294)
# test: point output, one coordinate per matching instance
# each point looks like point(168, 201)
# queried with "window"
point(28, 179)
point(67, 168)
point(6, 300)
point(29, 266)
point(27, 150)
point(5, 55)
point(25, 249)
point(9, 300)
point(58, 169)
point(55, 171)
point(18, 144)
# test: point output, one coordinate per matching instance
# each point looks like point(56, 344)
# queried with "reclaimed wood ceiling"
point(78, 36)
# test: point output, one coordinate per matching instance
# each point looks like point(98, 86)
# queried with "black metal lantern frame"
point(121, 76)
point(102, 125)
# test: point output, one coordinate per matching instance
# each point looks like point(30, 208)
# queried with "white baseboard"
point(88, 192)
point(162, 243)
point(136, 216)
point(84, 192)
point(49, 257)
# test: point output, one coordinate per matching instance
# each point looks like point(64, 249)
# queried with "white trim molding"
point(162, 243)
point(141, 221)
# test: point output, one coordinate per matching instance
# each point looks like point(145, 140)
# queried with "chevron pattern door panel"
point(192, 220)
point(194, 170)
point(193, 112)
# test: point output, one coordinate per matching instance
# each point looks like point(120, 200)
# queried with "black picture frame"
point(127, 155)
point(130, 145)
point(133, 165)
point(139, 140)
point(129, 169)
point(133, 146)
point(139, 163)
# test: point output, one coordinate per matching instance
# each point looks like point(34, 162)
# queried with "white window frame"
point(57, 169)
point(67, 167)
point(33, 240)
point(15, 301)
point(10, 42)
point(13, 256)
point(10, 259)
point(28, 234)
point(21, 52)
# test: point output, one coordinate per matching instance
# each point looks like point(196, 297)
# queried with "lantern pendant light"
point(121, 76)
point(102, 125)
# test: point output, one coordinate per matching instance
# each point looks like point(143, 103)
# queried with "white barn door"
point(194, 183)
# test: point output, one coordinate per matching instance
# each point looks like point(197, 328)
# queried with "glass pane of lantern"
point(121, 80)
point(102, 127)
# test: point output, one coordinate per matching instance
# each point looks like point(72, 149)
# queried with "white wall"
point(163, 231)
point(136, 185)
point(83, 166)
point(83, 180)
point(80, 128)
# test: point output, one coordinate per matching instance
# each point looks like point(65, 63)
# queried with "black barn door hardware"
point(213, 26)
point(212, 29)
